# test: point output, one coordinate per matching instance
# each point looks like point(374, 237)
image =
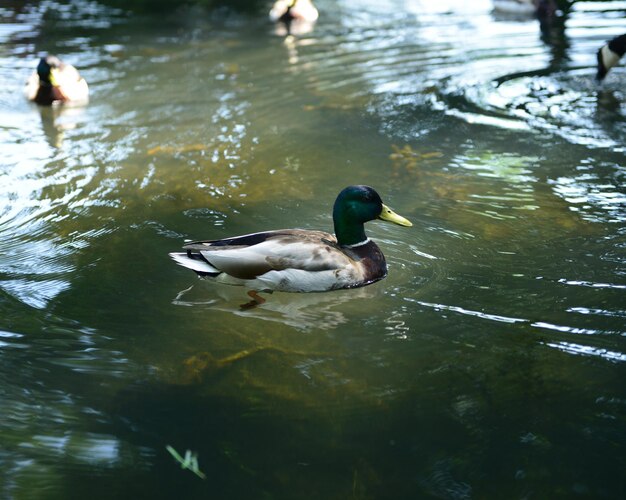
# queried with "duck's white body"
point(288, 260)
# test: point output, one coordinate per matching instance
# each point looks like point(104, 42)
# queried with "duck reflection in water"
point(57, 120)
point(304, 312)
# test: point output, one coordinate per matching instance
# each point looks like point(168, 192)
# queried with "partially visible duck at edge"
point(293, 10)
point(299, 260)
point(609, 55)
point(56, 82)
point(541, 8)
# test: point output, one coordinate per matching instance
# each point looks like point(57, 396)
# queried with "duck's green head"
point(355, 206)
point(47, 70)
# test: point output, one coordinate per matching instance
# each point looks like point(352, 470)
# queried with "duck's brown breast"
point(47, 94)
point(371, 261)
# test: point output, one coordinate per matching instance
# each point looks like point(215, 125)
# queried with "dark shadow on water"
point(464, 430)
point(250, 445)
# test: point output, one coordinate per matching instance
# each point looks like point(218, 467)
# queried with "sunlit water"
point(488, 364)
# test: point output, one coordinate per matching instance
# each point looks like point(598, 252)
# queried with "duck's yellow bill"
point(389, 215)
point(53, 77)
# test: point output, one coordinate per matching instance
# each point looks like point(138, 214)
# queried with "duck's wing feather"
point(252, 255)
point(72, 84)
point(279, 9)
point(32, 86)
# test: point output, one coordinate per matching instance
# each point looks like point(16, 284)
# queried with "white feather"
point(193, 264)
point(293, 280)
point(32, 86)
point(299, 280)
point(299, 254)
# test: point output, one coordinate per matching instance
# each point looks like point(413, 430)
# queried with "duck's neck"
point(349, 233)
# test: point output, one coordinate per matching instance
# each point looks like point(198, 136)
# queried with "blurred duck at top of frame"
point(56, 82)
point(541, 8)
point(293, 10)
point(610, 54)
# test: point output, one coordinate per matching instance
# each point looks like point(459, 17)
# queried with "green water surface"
point(490, 363)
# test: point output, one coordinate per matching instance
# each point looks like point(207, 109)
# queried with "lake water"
point(490, 363)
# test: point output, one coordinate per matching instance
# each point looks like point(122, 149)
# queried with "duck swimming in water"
point(56, 82)
point(609, 55)
point(299, 260)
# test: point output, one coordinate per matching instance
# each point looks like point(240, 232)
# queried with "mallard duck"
point(289, 10)
point(55, 82)
point(610, 54)
point(298, 260)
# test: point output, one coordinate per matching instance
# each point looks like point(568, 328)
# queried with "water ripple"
point(505, 73)
point(598, 312)
point(584, 350)
point(469, 312)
